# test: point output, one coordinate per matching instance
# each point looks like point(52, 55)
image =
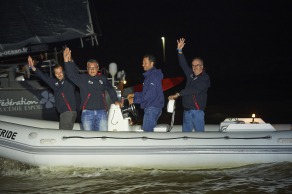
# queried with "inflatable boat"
point(233, 142)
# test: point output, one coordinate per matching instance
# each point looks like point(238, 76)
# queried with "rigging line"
point(94, 16)
point(90, 27)
point(170, 138)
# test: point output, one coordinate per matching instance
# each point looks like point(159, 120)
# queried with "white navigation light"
point(253, 116)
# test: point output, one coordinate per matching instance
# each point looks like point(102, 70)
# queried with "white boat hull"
point(163, 150)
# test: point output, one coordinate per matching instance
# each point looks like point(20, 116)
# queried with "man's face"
point(146, 64)
point(92, 69)
point(197, 66)
point(59, 73)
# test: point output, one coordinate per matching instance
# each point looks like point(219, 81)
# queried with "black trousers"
point(67, 120)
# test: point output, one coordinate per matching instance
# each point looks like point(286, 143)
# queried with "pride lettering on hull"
point(7, 134)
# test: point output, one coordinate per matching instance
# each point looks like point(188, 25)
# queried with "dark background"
point(233, 37)
point(246, 47)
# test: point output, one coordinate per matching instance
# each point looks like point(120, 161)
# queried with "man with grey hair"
point(194, 95)
point(92, 92)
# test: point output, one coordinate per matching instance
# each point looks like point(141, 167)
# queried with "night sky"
point(246, 45)
point(233, 37)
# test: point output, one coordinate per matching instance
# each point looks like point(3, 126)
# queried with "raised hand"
point(67, 54)
point(30, 63)
point(180, 43)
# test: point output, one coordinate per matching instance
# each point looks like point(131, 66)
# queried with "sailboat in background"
point(31, 28)
point(39, 26)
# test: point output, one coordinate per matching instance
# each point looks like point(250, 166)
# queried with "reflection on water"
point(261, 178)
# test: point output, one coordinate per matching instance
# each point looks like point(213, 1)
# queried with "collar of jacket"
point(147, 73)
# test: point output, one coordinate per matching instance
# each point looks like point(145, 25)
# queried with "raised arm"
point(71, 68)
point(30, 63)
point(182, 62)
point(39, 73)
point(67, 55)
point(181, 58)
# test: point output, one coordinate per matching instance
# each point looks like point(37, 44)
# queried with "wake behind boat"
point(234, 142)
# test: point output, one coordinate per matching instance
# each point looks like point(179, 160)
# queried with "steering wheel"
point(130, 109)
point(133, 111)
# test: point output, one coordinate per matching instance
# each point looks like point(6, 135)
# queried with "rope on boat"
point(163, 138)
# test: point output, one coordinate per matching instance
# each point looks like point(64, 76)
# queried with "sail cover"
point(36, 22)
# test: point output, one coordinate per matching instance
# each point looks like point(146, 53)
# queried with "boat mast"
point(91, 29)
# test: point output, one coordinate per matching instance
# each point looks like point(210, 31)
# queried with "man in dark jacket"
point(64, 92)
point(151, 99)
point(92, 92)
point(194, 95)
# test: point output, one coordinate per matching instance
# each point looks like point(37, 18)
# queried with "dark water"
point(260, 178)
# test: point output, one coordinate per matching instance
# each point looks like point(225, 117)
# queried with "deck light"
point(253, 116)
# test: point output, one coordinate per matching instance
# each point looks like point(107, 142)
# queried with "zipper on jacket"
point(196, 103)
point(86, 100)
point(66, 101)
point(103, 97)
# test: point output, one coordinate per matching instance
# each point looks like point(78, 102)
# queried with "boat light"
point(253, 116)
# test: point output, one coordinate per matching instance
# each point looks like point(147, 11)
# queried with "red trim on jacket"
point(86, 101)
point(104, 101)
point(66, 101)
point(196, 103)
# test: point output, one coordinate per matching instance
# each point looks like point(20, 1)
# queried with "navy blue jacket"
point(64, 92)
point(194, 95)
point(152, 93)
point(92, 89)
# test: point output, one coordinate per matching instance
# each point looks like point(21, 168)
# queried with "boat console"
point(120, 119)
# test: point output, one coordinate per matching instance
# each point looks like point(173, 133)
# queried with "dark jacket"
point(194, 96)
point(152, 93)
point(64, 92)
point(92, 89)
